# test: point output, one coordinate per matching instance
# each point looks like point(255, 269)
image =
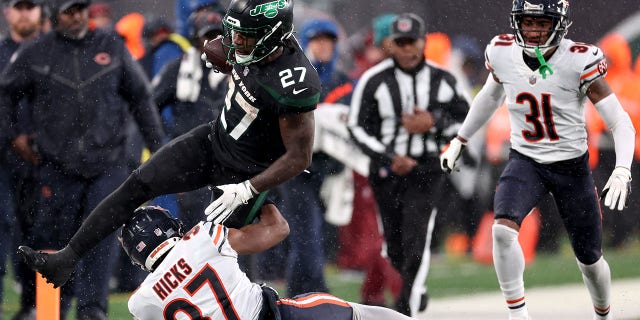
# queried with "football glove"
point(233, 195)
point(449, 157)
point(203, 57)
point(55, 267)
point(617, 189)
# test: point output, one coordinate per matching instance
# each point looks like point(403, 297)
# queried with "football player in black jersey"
point(262, 138)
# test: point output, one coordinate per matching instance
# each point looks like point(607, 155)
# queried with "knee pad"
point(503, 235)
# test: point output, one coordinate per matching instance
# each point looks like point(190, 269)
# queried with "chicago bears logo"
point(602, 67)
point(102, 58)
point(404, 25)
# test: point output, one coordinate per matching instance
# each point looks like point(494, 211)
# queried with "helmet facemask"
point(556, 11)
point(259, 42)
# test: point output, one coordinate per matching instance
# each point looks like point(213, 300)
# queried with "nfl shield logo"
point(141, 246)
point(157, 232)
point(532, 80)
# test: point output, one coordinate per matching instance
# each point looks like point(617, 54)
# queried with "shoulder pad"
point(498, 42)
point(589, 59)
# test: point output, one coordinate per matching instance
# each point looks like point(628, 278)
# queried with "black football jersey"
point(246, 136)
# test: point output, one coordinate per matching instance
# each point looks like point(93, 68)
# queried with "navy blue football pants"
point(524, 182)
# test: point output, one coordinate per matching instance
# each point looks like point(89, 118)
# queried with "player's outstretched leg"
point(508, 261)
point(597, 278)
point(55, 267)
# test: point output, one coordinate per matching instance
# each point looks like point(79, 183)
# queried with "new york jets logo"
point(269, 9)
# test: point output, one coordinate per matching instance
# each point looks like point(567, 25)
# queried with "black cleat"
point(56, 267)
point(424, 302)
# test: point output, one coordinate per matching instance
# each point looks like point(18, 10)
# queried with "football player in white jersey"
point(195, 274)
point(545, 80)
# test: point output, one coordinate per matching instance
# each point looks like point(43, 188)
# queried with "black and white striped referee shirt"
point(384, 92)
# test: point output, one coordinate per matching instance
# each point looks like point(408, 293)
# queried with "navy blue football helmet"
point(556, 10)
point(149, 235)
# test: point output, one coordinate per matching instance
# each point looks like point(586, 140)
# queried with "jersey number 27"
point(206, 277)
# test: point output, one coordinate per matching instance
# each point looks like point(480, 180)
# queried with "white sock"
point(597, 278)
point(508, 261)
point(364, 312)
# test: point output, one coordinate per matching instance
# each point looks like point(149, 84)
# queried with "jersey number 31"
point(539, 127)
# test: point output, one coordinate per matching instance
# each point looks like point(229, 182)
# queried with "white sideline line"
point(567, 302)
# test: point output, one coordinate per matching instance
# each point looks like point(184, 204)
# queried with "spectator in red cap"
point(100, 16)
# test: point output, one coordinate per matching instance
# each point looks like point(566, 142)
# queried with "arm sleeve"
point(484, 105)
point(621, 128)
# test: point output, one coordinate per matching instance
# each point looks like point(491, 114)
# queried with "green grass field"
point(449, 276)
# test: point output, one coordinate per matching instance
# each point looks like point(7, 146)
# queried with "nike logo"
point(296, 91)
point(595, 52)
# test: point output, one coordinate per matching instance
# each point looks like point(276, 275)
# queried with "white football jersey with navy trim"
point(199, 278)
point(547, 115)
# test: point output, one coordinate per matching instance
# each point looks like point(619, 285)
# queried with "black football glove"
point(55, 267)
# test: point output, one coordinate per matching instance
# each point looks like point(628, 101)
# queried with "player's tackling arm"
point(271, 229)
point(297, 130)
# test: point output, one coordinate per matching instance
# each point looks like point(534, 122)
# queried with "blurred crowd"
point(331, 209)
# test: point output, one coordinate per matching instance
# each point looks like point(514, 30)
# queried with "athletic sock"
point(597, 278)
point(508, 261)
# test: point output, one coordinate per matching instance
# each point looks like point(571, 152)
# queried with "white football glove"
point(617, 188)
point(449, 157)
point(203, 57)
point(233, 195)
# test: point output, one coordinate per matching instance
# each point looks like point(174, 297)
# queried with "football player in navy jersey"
point(263, 136)
point(546, 80)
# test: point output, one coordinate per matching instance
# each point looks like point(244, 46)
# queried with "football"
point(216, 54)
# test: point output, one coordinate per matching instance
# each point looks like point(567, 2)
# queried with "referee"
point(403, 111)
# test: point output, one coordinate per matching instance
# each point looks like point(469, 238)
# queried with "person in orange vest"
point(130, 28)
